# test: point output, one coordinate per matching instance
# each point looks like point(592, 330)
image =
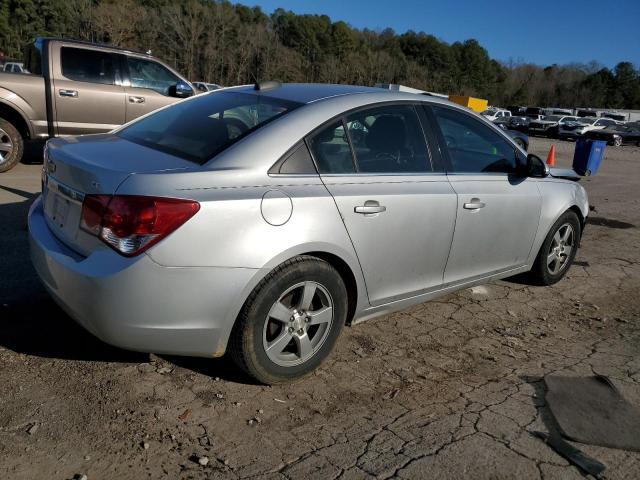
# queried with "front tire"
point(11, 146)
point(558, 250)
point(290, 322)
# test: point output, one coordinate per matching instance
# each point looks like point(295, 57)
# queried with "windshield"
point(199, 129)
point(553, 118)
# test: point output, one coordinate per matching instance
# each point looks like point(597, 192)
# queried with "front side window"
point(200, 128)
point(388, 139)
point(91, 66)
point(474, 147)
point(149, 74)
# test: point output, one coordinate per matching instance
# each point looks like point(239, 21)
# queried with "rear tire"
point(11, 146)
point(290, 322)
point(558, 250)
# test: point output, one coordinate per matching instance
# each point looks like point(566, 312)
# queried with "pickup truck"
point(78, 87)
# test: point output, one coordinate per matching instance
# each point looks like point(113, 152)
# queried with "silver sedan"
point(261, 219)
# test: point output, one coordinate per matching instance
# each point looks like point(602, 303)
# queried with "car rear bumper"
point(135, 303)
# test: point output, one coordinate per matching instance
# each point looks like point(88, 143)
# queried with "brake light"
point(131, 224)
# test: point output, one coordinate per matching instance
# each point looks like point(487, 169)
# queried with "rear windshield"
point(199, 129)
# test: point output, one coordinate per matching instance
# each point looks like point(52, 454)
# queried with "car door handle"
point(370, 207)
point(474, 204)
point(68, 93)
point(135, 99)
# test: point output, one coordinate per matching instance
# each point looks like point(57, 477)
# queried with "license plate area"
point(60, 211)
point(62, 208)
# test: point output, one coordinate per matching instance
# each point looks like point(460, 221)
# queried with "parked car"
point(14, 67)
point(496, 113)
point(586, 113)
point(563, 112)
point(534, 112)
point(618, 117)
point(571, 130)
point(171, 235)
point(549, 125)
point(520, 124)
point(516, 110)
point(203, 87)
point(521, 139)
point(617, 135)
point(84, 88)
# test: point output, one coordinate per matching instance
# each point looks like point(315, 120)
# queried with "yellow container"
point(476, 104)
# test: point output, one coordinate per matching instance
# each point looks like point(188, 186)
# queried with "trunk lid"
point(92, 164)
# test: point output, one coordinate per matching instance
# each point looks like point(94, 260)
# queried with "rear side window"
point(85, 65)
point(149, 74)
point(331, 150)
point(388, 139)
point(200, 128)
point(474, 147)
point(297, 161)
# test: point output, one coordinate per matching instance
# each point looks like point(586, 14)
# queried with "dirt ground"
point(448, 389)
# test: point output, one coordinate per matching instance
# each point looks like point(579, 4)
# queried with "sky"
point(534, 31)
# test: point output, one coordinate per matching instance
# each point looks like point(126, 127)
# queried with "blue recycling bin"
point(588, 156)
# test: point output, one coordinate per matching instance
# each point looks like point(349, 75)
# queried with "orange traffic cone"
point(551, 158)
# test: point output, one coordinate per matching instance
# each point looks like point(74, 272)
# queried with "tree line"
point(220, 42)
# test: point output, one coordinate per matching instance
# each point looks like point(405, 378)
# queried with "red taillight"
point(131, 224)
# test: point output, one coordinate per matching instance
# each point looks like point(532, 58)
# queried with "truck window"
point(149, 74)
point(85, 65)
point(33, 57)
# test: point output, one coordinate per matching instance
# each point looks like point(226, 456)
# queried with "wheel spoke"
point(307, 295)
point(567, 250)
point(304, 345)
point(279, 344)
point(5, 147)
point(551, 257)
point(280, 312)
point(324, 315)
point(567, 234)
point(557, 238)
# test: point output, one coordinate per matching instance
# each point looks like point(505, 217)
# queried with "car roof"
point(313, 92)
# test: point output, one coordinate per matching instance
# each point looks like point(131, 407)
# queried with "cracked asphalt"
point(448, 389)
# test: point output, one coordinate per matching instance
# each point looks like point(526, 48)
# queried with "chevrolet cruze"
point(261, 219)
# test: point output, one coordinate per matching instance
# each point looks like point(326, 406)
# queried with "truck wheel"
point(11, 146)
point(291, 321)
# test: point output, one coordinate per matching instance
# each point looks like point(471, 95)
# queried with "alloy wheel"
point(6, 146)
point(560, 250)
point(297, 324)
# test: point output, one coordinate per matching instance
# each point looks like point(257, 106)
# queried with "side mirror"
point(536, 167)
point(180, 90)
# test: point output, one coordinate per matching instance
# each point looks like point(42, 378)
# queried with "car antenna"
point(266, 85)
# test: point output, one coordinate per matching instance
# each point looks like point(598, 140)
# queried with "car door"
point(498, 211)
point(147, 86)
point(88, 94)
point(397, 206)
